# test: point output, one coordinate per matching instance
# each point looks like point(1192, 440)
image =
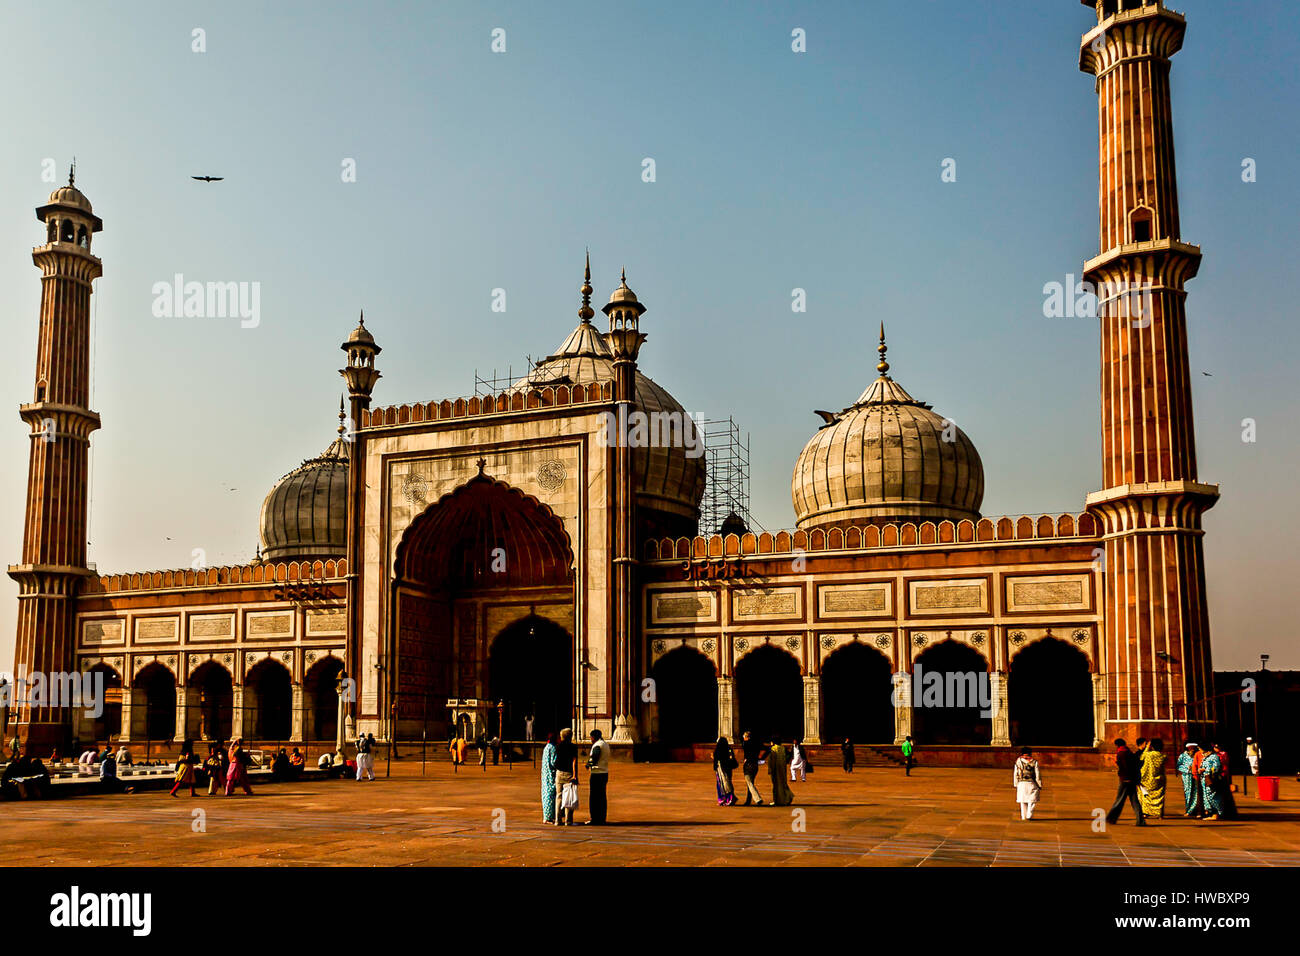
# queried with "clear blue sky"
point(775, 170)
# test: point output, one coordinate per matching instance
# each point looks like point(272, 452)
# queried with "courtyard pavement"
point(660, 815)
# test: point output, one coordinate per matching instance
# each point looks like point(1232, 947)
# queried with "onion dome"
point(887, 457)
point(667, 478)
point(304, 518)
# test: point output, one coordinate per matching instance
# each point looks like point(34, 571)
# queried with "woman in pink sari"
point(238, 772)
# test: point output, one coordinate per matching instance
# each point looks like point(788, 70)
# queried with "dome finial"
point(342, 416)
point(72, 172)
point(585, 313)
point(362, 321)
point(882, 367)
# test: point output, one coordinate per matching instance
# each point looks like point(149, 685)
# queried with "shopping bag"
point(569, 796)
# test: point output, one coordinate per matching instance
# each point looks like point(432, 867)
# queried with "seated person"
point(108, 778)
point(280, 769)
point(124, 756)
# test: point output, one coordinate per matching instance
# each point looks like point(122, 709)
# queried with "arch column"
point(902, 681)
point(812, 710)
point(1098, 709)
point(726, 708)
point(182, 714)
point(236, 711)
point(1001, 724)
point(128, 699)
point(295, 726)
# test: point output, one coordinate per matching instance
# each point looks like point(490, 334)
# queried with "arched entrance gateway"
point(686, 694)
point(153, 704)
point(951, 696)
point(268, 702)
point(320, 700)
point(484, 604)
point(857, 696)
point(211, 714)
point(1049, 695)
point(769, 694)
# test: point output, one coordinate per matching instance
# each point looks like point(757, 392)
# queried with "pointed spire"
point(585, 313)
point(882, 367)
point(362, 320)
point(342, 416)
point(72, 172)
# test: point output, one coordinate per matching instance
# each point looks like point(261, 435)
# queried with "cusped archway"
point(268, 702)
point(951, 696)
point(1049, 695)
point(686, 694)
point(769, 694)
point(530, 672)
point(857, 696)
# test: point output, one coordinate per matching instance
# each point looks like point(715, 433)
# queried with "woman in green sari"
point(1151, 783)
point(782, 795)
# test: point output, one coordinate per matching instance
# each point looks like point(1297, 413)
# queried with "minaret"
point(1157, 634)
point(361, 375)
point(625, 338)
point(54, 533)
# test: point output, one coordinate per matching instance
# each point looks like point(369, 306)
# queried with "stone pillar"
point(237, 711)
point(1099, 710)
point(812, 710)
point(182, 714)
point(296, 730)
point(902, 696)
point(1001, 723)
point(726, 708)
point(128, 695)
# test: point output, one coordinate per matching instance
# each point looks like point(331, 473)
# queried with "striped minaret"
point(54, 534)
point(1157, 647)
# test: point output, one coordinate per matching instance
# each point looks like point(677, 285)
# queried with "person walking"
point(185, 768)
point(908, 749)
point(548, 780)
point(214, 768)
point(1152, 780)
point(752, 751)
point(365, 757)
point(1028, 780)
point(566, 771)
point(782, 795)
point(1186, 768)
point(724, 762)
point(798, 762)
point(846, 751)
point(1126, 769)
point(237, 774)
point(598, 779)
point(1252, 755)
point(495, 744)
point(481, 743)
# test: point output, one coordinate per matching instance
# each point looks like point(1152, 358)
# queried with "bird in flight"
point(208, 179)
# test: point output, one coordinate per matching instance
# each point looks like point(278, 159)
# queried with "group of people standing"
point(755, 753)
point(1207, 788)
point(560, 779)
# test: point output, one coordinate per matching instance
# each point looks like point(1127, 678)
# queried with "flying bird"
point(208, 179)
point(1209, 374)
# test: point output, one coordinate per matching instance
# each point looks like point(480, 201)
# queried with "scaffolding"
point(726, 485)
point(496, 384)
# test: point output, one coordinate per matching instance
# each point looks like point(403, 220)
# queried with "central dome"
point(887, 457)
point(304, 518)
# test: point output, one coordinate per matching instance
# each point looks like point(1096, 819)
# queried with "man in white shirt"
point(598, 778)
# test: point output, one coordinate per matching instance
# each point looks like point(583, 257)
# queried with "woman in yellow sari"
point(1151, 784)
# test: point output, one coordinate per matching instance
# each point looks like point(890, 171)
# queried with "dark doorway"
point(156, 691)
point(1049, 696)
point(321, 700)
point(951, 696)
point(686, 693)
point(769, 694)
point(270, 710)
point(530, 668)
point(109, 724)
point(857, 696)
point(212, 703)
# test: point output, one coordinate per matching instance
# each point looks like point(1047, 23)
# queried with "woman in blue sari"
point(548, 780)
point(1211, 771)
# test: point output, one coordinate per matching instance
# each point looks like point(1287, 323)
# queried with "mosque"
point(496, 560)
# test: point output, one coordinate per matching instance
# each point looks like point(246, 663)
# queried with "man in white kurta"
point(1029, 782)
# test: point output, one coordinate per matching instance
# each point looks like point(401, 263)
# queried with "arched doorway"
point(485, 543)
point(951, 696)
point(153, 704)
point(686, 693)
point(769, 694)
point(268, 702)
point(212, 698)
point(321, 700)
point(857, 696)
point(108, 724)
point(530, 668)
point(1049, 695)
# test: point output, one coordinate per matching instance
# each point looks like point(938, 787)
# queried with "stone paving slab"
point(660, 815)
